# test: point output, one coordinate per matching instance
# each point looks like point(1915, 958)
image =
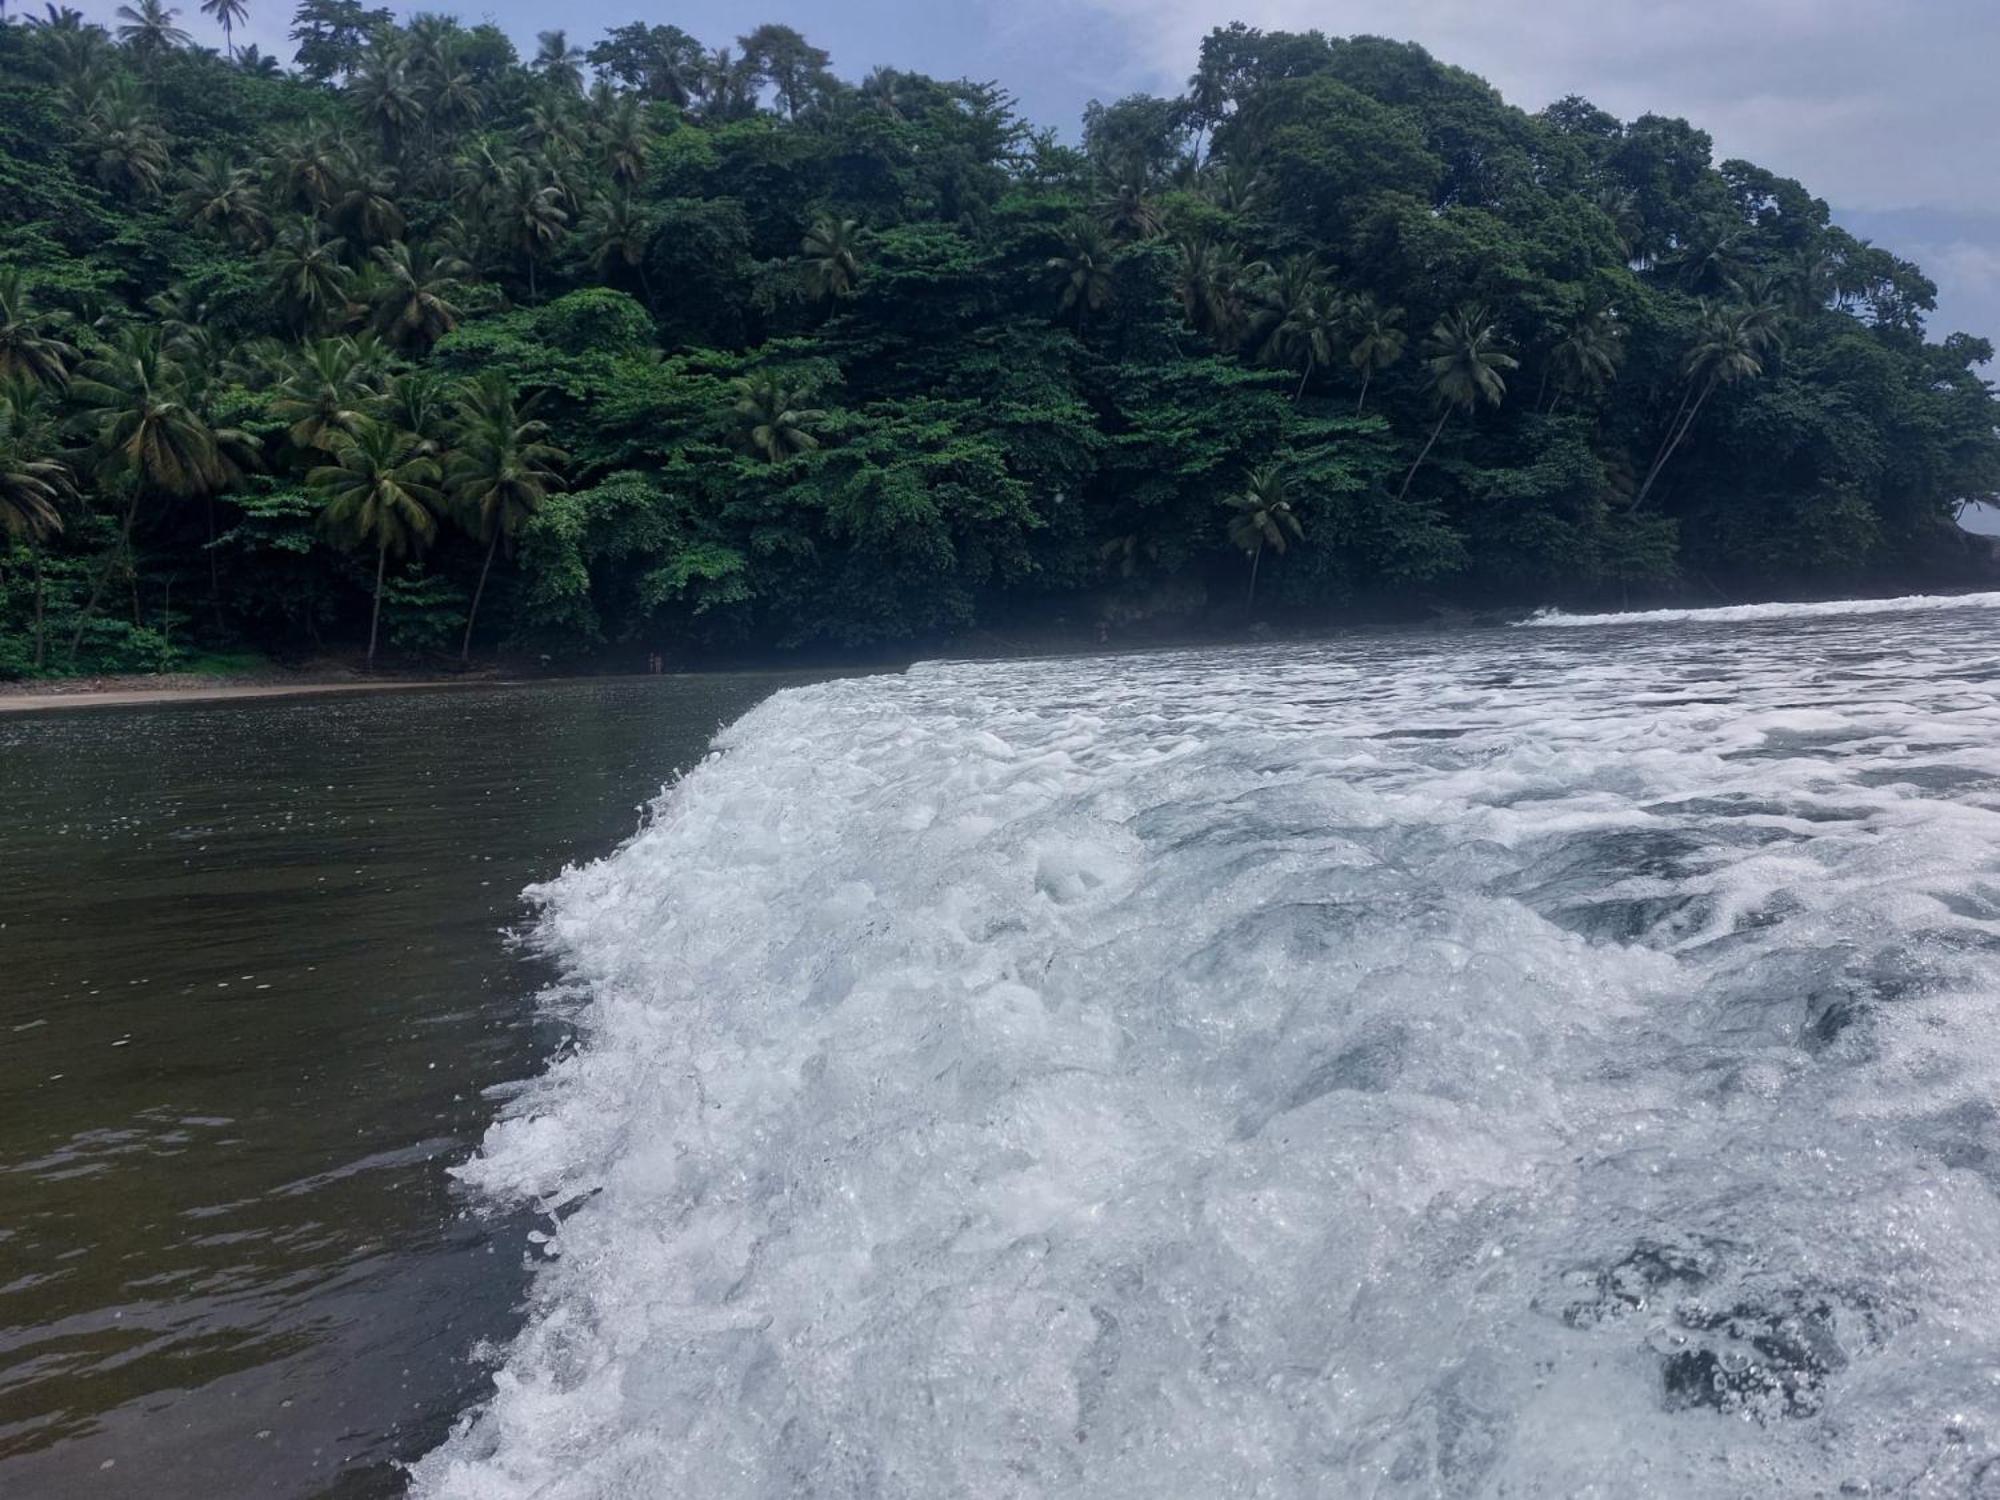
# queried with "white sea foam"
point(1558, 1066)
point(1738, 614)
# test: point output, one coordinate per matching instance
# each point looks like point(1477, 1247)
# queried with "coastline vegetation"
point(644, 346)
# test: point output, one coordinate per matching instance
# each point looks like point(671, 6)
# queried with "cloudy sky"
point(1885, 108)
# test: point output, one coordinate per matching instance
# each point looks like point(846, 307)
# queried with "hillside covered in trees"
point(645, 346)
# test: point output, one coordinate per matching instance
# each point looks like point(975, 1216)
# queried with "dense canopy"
point(645, 346)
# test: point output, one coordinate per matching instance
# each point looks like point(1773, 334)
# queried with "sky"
point(1885, 108)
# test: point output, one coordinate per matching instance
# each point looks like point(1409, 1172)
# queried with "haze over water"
point(1552, 1061)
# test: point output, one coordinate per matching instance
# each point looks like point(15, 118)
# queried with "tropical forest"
point(418, 348)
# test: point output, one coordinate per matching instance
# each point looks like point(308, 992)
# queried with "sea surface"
point(1555, 1061)
point(256, 997)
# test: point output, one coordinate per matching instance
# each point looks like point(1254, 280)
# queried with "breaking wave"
point(1480, 1066)
point(1739, 614)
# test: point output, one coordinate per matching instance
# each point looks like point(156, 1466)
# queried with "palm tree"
point(328, 393)
point(227, 14)
point(305, 167)
point(379, 490)
point(626, 143)
point(415, 309)
point(1083, 271)
point(1208, 280)
point(33, 485)
point(1125, 205)
point(127, 146)
point(1464, 358)
point(386, 98)
point(1235, 188)
point(1729, 347)
point(832, 256)
point(307, 274)
point(1587, 357)
point(500, 472)
point(774, 422)
point(219, 195)
point(1300, 317)
point(420, 402)
point(149, 30)
point(1375, 340)
point(530, 216)
point(558, 62)
point(1262, 516)
point(365, 209)
point(258, 64)
point(148, 435)
point(617, 233)
point(29, 350)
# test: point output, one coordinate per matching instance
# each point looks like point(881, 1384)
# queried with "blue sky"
point(1886, 108)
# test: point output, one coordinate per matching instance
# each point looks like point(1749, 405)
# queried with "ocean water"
point(1546, 1062)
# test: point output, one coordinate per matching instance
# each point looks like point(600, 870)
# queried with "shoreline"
point(139, 694)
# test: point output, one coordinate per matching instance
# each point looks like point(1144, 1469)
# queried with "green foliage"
point(721, 352)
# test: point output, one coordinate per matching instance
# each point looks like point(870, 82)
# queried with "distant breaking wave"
point(1734, 614)
point(1468, 1066)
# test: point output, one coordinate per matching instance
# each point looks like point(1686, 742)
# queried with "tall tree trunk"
point(1255, 558)
point(41, 602)
point(1542, 389)
point(1299, 394)
point(1367, 374)
point(533, 295)
point(1661, 462)
point(1673, 426)
point(1443, 418)
point(104, 575)
point(214, 576)
point(465, 651)
point(375, 619)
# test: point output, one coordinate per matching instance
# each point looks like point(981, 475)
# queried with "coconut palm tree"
point(128, 149)
point(221, 196)
point(258, 64)
point(1208, 279)
point(500, 472)
point(616, 233)
point(1464, 359)
point(1125, 204)
point(1586, 358)
point(626, 143)
point(149, 438)
point(149, 30)
point(307, 274)
point(414, 309)
point(530, 214)
point(364, 208)
point(328, 394)
point(1728, 347)
point(305, 168)
point(774, 421)
point(228, 14)
point(29, 348)
point(1082, 271)
point(33, 485)
point(1375, 340)
point(832, 256)
point(558, 62)
point(1261, 516)
point(387, 99)
point(1299, 318)
point(380, 492)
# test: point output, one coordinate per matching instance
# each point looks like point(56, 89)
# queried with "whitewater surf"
point(1519, 1064)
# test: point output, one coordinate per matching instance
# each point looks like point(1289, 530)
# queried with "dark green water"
point(255, 999)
